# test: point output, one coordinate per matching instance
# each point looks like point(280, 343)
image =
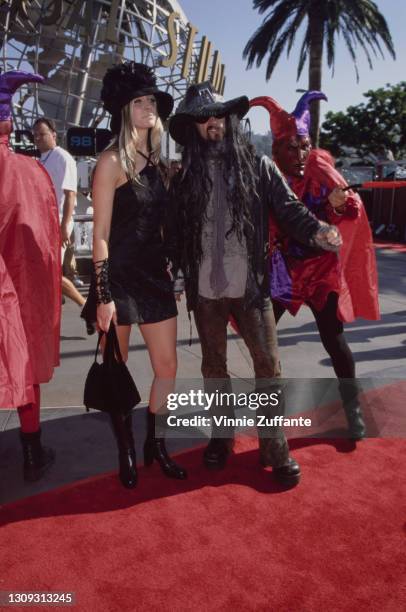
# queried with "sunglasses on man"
point(205, 118)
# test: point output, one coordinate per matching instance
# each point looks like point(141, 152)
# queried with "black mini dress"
point(140, 284)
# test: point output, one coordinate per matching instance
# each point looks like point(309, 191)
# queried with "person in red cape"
point(337, 288)
point(30, 286)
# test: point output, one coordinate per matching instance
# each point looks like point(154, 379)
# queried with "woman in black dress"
point(131, 283)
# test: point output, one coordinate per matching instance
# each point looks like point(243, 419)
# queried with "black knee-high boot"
point(122, 427)
point(154, 447)
point(37, 458)
point(349, 390)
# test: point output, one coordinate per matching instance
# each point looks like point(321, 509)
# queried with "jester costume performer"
point(30, 294)
point(338, 289)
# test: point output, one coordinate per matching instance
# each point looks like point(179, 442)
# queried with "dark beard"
point(214, 149)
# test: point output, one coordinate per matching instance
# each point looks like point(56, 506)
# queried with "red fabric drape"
point(30, 276)
point(359, 279)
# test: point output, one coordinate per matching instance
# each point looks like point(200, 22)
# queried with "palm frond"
point(276, 53)
point(274, 26)
point(363, 41)
point(348, 38)
point(295, 25)
point(304, 51)
point(369, 22)
point(264, 5)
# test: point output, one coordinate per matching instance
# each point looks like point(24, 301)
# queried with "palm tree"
point(358, 21)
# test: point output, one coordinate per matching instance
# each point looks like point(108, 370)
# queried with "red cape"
point(30, 275)
point(357, 275)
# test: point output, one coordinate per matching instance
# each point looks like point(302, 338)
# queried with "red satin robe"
point(30, 276)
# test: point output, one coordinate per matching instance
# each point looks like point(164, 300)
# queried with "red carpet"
point(222, 541)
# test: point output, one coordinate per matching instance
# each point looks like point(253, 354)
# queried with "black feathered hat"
point(200, 102)
point(124, 82)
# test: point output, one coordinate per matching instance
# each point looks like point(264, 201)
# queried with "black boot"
point(275, 452)
point(273, 446)
point(288, 474)
point(154, 447)
point(349, 394)
point(37, 458)
point(221, 444)
point(122, 427)
point(217, 452)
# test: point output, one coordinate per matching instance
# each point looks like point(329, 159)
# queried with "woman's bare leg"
point(123, 335)
point(160, 339)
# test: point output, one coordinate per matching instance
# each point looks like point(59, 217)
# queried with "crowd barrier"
point(386, 208)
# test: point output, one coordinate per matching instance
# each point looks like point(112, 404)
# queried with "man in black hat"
point(223, 197)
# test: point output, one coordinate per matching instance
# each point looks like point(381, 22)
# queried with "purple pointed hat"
point(302, 112)
point(9, 83)
point(284, 124)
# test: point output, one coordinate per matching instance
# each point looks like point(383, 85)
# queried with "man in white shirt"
point(61, 167)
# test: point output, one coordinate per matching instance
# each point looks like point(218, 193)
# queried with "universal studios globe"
point(73, 42)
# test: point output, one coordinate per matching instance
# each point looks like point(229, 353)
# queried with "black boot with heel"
point(122, 427)
point(154, 447)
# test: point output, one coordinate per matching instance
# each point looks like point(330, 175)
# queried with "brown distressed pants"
point(258, 330)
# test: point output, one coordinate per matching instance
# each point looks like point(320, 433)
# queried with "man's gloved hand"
point(328, 238)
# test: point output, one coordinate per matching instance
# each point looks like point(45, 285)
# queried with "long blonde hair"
point(127, 141)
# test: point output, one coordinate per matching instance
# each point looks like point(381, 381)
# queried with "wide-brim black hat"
point(199, 103)
point(124, 82)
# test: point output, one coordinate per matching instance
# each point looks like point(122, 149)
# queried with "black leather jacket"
point(274, 195)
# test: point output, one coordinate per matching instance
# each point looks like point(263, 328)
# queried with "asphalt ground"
point(84, 441)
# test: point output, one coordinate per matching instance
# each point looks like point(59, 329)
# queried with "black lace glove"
point(101, 273)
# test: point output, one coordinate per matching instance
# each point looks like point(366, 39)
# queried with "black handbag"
point(109, 385)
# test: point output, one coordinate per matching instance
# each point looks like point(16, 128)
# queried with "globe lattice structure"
point(73, 42)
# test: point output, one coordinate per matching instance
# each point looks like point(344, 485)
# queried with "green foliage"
point(381, 120)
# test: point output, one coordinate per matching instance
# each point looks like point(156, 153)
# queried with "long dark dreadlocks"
point(193, 186)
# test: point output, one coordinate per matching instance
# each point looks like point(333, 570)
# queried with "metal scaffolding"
point(73, 42)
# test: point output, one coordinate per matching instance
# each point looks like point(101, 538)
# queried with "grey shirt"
point(224, 266)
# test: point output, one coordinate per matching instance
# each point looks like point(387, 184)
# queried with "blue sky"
point(229, 24)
